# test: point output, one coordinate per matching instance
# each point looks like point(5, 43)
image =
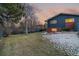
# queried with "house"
point(62, 22)
point(40, 27)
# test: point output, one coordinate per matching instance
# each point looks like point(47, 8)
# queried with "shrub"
point(66, 29)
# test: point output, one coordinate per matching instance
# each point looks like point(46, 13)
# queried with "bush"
point(66, 29)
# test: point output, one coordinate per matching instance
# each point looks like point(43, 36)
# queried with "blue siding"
point(77, 26)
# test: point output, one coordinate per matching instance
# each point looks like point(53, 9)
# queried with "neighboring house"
point(40, 28)
point(63, 21)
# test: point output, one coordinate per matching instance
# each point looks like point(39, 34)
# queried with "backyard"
point(28, 45)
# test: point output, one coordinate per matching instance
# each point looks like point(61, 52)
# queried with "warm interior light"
point(54, 29)
point(69, 20)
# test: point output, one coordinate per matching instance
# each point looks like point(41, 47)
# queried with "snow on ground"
point(67, 41)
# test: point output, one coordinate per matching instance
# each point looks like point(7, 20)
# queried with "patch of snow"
point(44, 33)
point(68, 41)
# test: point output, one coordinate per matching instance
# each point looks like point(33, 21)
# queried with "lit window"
point(54, 29)
point(69, 20)
point(53, 22)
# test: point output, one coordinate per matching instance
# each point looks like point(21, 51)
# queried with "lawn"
point(28, 45)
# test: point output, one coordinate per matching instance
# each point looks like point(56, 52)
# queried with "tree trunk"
point(26, 28)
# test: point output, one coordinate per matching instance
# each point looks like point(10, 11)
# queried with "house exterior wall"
point(61, 21)
point(77, 26)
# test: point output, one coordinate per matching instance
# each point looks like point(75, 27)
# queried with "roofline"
point(69, 14)
point(62, 14)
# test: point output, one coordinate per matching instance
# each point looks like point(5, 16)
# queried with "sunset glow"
point(46, 13)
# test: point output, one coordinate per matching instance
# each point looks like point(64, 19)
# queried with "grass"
point(28, 45)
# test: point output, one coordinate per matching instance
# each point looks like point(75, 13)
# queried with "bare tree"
point(30, 18)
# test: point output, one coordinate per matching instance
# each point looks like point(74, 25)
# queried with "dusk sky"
point(47, 10)
point(49, 5)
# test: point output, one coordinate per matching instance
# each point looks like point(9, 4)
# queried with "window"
point(69, 20)
point(53, 22)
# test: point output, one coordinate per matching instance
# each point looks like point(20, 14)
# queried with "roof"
point(62, 14)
